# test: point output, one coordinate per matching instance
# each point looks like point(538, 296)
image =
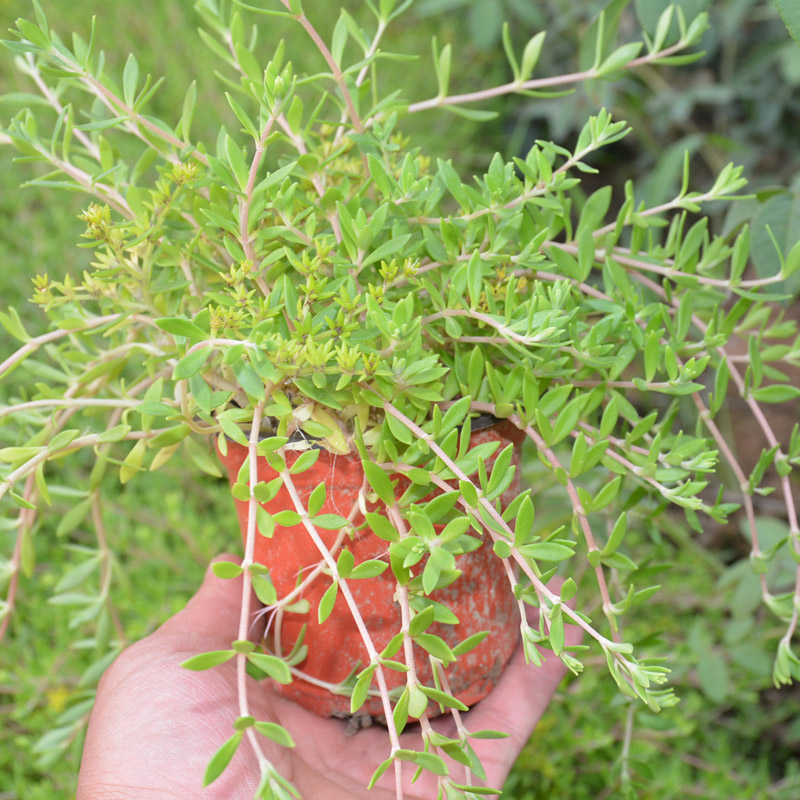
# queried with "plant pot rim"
point(478, 423)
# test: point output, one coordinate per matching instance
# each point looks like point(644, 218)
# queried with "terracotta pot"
point(480, 597)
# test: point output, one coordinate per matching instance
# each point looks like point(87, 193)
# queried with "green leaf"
point(568, 590)
point(399, 430)
point(369, 569)
point(275, 667)
point(339, 39)
point(599, 37)
point(242, 116)
point(567, 419)
point(345, 563)
point(619, 58)
point(712, 671)
point(380, 770)
point(316, 499)
point(618, 561)
point(178, 326)
point(241, 491)
point(509, 48)
point(479, 790)
point(190, 364)
point(774, 236)
point(208, 660)
point(421, 621)
point(33, 33)
point(287, 518)
point(386, 249)
point(275, 732)
point(652, 352)
point(380, 482)
point(470, 642)
point(443, 699)
point(189, 102)
point(617, 535)
point(395, 643)
point(13, 324)
point(469, 492)
point(73, 517)
point(381, 527)
point(790, 14)
point(330, 521)
point(547, 551)
point(453, 182)
point(327, 602)
point(248, 379)
point(436, 646)
point(27, 551)
point(475, 279)
point(201, 457)
point(248, 62)
point(792, 263)
point(442, 64)
point(226, 569)
point(221, 759)
point(265, 522)
point(607, 494)
point(132, 464)
point(130, 78)
point(488, 734)
point(77, 574)
point(430, 576)
point(384, 182)
point(157, 409)
point(427, 761)
point(243, 723)
point(115, 434)
point(243, 646)
point(557, 635)
point(305, 461)
point(264, 589)
point(776, 393)
point(501, 548)
point(11, 455)
point(530, 56)
point(454, 529)
point(274, 177)
point(361, 689)
point(475, 114)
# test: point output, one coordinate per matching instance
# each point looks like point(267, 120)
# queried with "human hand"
point(155, 725)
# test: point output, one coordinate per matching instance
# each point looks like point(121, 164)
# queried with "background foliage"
point(731, 736)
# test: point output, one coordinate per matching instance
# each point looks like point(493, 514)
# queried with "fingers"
point(211, 618)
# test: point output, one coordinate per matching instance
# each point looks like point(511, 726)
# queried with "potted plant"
point(366, 338)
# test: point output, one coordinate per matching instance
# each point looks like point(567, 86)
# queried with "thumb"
point(211, 618)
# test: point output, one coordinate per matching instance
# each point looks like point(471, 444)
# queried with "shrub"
point(314, 281)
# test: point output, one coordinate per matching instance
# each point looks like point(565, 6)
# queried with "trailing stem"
point(369, 645)
point(246, 202)
point(264, 764)
point(704, 412)
point(486, 505)
point(334, 67)
point(83, 441)
point(537, 84)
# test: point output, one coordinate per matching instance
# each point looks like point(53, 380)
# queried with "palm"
point(156, 725)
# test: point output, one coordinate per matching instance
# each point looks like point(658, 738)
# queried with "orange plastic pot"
point(480, 597)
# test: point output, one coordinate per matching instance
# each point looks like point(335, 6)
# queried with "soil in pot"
point(480, 598)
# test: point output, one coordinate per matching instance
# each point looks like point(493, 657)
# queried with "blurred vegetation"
point(731, 736)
